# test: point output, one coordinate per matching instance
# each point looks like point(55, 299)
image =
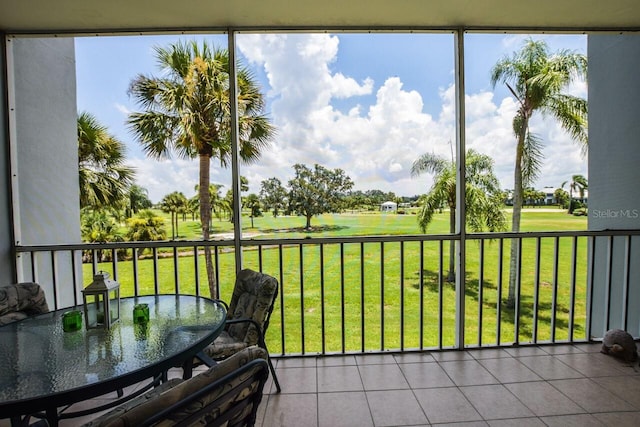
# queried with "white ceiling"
point(24, 16)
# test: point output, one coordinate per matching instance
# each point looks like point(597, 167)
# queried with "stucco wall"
point(47, 156)
point(614, 175)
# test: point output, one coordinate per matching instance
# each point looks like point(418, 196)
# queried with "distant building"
point(585, 196)
point(389, 207)
point(550, 198)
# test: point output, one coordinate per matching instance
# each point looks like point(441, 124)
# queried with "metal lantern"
point(101, 302)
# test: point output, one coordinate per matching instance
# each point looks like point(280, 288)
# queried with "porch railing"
point(382, 293)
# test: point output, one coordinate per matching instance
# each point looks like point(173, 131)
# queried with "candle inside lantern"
point(101, 301)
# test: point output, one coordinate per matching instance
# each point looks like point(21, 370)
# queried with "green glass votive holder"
point(72, 321)
point(141, 314)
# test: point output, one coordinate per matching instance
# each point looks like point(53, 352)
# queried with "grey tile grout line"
point(553, 356)
point(426, 417)
point(461, 392)
point(364, 391)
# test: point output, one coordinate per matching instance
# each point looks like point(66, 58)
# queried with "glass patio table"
point(43, 368)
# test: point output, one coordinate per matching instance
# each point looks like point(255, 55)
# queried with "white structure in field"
point(389, 207)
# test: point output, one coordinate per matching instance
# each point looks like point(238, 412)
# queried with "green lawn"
point(365, 224)
point(363, 298)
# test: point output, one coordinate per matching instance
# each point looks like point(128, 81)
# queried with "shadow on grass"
point(319, 229)
point(544, 316)
point(431, 283)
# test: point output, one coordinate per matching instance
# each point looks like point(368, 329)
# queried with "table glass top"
point(38, 358)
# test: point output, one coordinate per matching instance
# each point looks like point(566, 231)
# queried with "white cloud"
point(375, 144)
point(344, 87)
point(123, 109)
point(513, 42)
point(395, 167)
point(479, 105)
point(166, 176)
point(578, 88)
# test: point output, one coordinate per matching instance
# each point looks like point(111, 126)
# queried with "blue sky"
point(367, 103)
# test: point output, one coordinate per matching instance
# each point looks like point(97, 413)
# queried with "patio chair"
point(228, 394)
point(254, 296)
point(21, 300)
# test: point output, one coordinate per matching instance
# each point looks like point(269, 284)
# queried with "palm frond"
point(155, 131)
point(572, 113)
point(429, 163)
point(431, 205)
point(532, 157)
point(192, 98)
point(479, 171)
point(569, 63)
point(104, 178)
point(520, 67)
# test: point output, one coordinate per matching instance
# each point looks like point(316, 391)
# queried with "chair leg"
point(273, 374)
point(187, 369)
point(271, 368)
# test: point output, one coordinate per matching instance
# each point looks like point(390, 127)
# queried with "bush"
point(576, 204)
point(580, 212)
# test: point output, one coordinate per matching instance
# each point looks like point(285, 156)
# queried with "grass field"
point(373, 305)
point(365, 223)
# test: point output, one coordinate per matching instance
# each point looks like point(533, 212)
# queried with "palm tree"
point(188, 111)
point(104, 178)
point(578, 184)
point(252, 202)
point(174, 203)
point(193, 206)
point(214, 201)
point(537, 79)
point(483, 197)
point(226, 205)
point(214, 194)
point(137, 200)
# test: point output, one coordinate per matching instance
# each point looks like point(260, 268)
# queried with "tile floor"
point(562, 385)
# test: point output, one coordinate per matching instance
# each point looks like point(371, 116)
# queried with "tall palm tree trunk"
point(205, 217)
point(515, 219)
point(173, 226)
point(570, 210)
